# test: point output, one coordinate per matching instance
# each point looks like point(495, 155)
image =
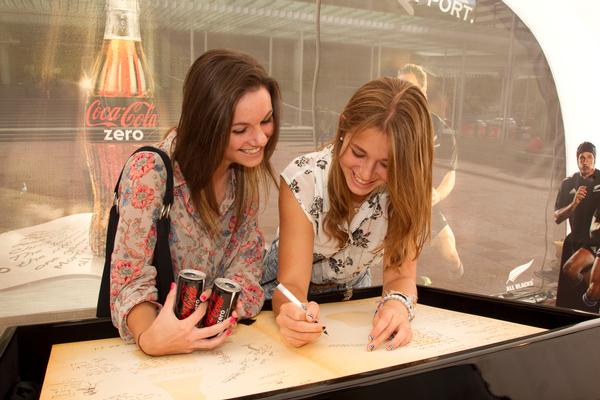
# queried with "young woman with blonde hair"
point(362, 202)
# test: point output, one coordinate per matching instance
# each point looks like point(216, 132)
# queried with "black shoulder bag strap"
point(162, 253)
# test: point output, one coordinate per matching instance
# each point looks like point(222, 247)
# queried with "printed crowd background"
point(488, 84)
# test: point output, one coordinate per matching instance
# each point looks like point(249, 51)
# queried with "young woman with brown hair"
point(362, 202)
point(220, 155)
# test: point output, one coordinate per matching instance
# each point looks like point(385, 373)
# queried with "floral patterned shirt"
point(307, 177)
point(236, 253)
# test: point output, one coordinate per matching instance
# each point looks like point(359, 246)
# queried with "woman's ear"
point(344, 141)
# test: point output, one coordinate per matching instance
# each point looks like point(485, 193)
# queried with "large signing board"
point(256, 360)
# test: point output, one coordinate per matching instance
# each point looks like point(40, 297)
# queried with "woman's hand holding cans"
point(170, 335)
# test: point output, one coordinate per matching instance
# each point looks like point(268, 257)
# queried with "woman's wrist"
point(138, 341)
point(407, 301)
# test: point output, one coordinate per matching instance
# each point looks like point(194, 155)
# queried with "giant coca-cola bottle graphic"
point(120, 111)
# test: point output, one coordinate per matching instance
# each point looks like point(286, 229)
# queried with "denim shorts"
point(271, 265)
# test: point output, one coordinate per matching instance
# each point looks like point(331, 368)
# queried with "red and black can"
point(190, 285)
point(224, 297)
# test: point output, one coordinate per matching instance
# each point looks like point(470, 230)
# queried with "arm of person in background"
point(134, 307)
point(592, 293)
point(448, 181)
point(246, 266)
point(565, 212)
point(392, 316)
point(444, 188)
point(296, 241)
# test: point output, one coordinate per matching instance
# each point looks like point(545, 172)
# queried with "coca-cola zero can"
point(190, 285)
point(222, 302)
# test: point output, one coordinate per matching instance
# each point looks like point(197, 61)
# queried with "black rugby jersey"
point(581, 218)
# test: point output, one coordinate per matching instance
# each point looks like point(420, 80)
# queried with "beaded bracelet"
point(407, 301)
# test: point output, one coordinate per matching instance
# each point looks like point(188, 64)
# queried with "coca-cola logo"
point(216, 310)
point(138, 114)
point(189, 301)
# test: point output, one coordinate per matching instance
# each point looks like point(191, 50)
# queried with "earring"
point(341, 138)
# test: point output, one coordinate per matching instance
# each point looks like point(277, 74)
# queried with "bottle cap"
point(122, 20)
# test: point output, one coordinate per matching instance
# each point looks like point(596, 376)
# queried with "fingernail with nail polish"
point(228, 332)
point(232, 320)
point(390, 347)
point(172, 285)
point(203, 298)
point(370, 338)
point(371, 347)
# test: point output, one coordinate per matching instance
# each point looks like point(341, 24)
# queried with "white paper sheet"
point(53, 249)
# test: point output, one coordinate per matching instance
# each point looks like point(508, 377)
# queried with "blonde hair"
point(398, 109)
point(418, 72)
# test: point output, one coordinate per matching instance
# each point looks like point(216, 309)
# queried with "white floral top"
point(237, 253)
point(307, 178)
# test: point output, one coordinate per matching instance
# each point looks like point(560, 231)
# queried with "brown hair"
point(213, 86)
point(399, 109)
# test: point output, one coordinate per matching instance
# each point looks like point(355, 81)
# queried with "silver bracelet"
point(407, 301)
